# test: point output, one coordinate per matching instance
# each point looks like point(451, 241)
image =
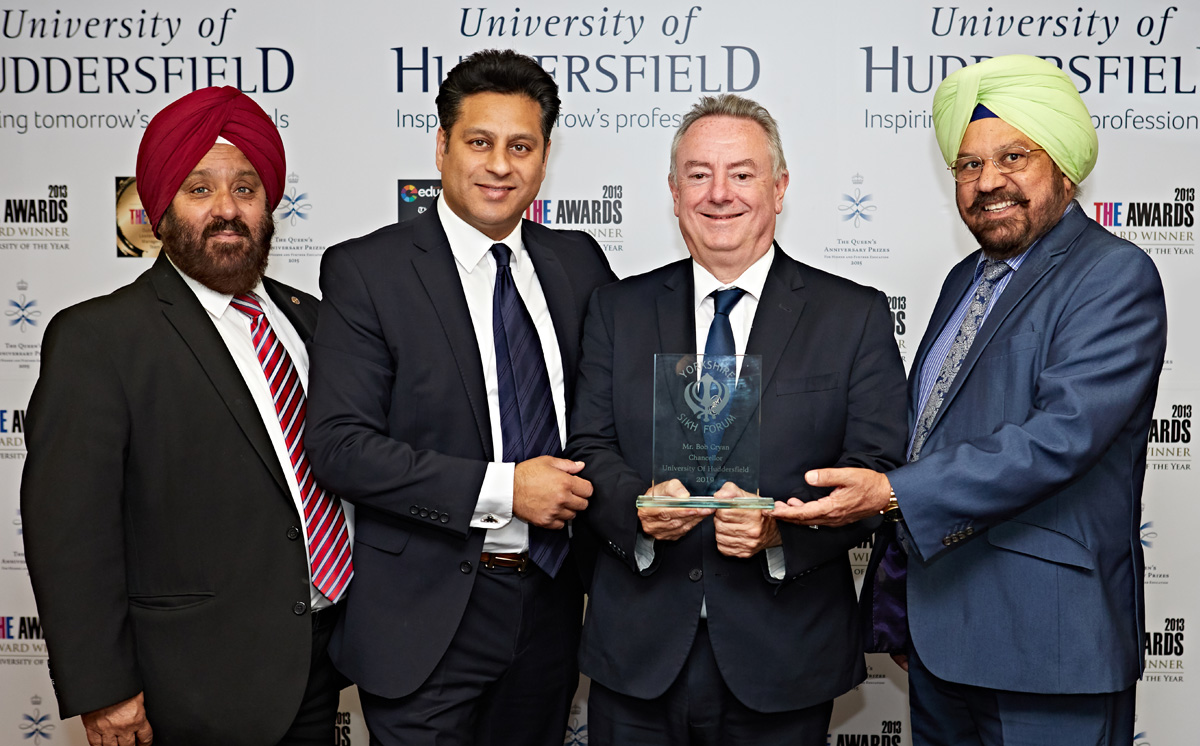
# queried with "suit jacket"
point(1025, 504)
point(157, 519)
point(831, 396)
point(398, 425)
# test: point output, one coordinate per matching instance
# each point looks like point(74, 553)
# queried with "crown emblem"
point(293, 177)
point(22, 285)
point(35, 700)
point(856, 179)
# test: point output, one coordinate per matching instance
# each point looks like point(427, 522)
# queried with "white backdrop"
point(351, 87)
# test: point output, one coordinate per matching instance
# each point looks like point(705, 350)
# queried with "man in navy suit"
point(1030, 400)
point(725, 627)
point(443, 365)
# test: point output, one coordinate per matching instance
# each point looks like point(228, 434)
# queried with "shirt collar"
point(752, 280)
point(215, 303)
point(468, 245)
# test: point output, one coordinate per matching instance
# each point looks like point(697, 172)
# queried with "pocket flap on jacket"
point(1040, 542)
point(823, 382)
point(384, 536)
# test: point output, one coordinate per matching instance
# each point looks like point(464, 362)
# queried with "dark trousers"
point(944, 713)
point(314, 723)
point(699, 710)
point(508, 676)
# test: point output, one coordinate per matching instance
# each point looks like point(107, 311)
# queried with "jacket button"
point(465, 567)
point(299, 608)
point(423, 512)
point(433, 515)
point(445, 518)
point(946, 541)
point(293, 533)
point(969, 531)
point(412, 509)
point(695, 574)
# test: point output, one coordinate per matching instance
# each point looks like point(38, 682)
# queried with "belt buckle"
point(493, 560)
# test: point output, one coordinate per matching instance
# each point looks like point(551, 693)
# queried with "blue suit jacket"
point(1024, 507)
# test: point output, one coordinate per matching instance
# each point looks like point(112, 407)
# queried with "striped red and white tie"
point(324, 521)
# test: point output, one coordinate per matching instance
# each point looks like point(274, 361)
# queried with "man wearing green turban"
point(1014, 527)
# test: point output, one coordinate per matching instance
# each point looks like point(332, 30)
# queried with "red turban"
point(179, 136)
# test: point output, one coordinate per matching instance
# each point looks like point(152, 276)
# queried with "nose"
point(719, 190)
point(223, 204)
point(498, 162)
point(990, 177)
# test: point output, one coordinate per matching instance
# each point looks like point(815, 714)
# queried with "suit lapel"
point(778, 312)
point(184, 312)
point(299, 310)
point(434, 264)
point(956, 284)
point(560, 299)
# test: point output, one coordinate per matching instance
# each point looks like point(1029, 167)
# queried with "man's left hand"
point(743, 533)
point(858, 494)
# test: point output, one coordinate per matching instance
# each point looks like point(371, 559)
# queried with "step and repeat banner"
point(351, 88)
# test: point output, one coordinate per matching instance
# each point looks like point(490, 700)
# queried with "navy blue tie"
point(720, 343)
point(528, 422)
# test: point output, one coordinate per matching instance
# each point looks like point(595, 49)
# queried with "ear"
point(674, 193)
point(441, 148)
point(781, 185)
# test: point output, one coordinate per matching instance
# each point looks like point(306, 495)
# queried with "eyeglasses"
point(1007, 161)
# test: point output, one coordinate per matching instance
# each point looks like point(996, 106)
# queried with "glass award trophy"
point(707, 429)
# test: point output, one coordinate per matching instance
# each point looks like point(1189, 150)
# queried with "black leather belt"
point(493, 560)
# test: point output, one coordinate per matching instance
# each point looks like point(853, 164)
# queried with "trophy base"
point(753, 502)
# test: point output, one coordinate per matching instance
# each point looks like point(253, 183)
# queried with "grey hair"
point(730, 105)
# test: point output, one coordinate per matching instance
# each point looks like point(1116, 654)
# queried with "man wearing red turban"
point(186, 567)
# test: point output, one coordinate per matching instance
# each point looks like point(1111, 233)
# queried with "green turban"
point(1027, 92)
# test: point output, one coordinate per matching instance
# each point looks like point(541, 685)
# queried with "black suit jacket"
point(398, 425)
point(833, 395)
point(156, 520)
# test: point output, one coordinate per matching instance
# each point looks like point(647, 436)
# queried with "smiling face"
point(218, 230)
point(725, 196)
point(1008, 212)
point(493, 161)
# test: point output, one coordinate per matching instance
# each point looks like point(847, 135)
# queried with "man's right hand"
point(668, 524)
point(122, 724)
point(547, 493)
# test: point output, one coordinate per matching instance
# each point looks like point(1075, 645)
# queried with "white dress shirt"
point(477, 271)
point(741, 320)
point(234, 328)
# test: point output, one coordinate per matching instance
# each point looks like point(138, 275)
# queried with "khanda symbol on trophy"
point(706, 397)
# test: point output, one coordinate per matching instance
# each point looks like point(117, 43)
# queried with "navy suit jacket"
point(398, 425)
point(832, 395)
point(1025, 504)
point(159, 528)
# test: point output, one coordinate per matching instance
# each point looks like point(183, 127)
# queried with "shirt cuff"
point(643, 551)
point(776, 562)
point(494, 508)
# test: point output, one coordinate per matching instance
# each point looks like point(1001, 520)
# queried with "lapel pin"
point(295, 300)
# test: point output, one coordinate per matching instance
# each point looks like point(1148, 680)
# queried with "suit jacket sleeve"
point(594, 439)
point(875, 434)
point(1106, 344)
point(71, 506)
point(350, 384)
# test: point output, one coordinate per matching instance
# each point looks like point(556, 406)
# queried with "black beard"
point(231, 269)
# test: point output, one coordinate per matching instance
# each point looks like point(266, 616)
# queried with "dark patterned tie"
point(720, 344)
point(886, 603)
point(528, 422)
point(324, 521)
